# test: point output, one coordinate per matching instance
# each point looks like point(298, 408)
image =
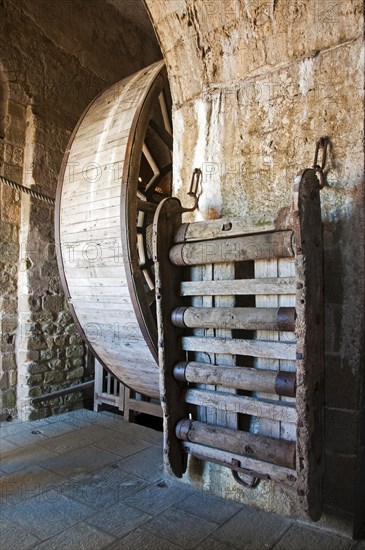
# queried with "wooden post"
point(310, 363)
point(167, 277)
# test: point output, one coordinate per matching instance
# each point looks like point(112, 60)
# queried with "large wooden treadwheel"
point(116, 170)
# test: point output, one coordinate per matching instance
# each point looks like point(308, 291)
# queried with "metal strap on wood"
point(218, 372)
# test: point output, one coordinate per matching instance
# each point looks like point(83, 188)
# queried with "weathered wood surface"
point(272, 285)
point(242, 378)
point(247, 318)
point(274, 410)
point(256, 468)
point(309, 332)
point(232, 227)
point(167, 278)
point(203, 273)
point(236, 249)
point(224, 271)
point(253, 348)
point(276, 451)
point(94, 261)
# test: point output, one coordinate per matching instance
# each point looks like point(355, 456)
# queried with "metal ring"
point(248, 484)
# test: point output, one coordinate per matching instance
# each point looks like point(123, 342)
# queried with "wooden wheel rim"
point(134, 361)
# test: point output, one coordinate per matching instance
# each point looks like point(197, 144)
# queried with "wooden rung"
point(276, 451)
point(237, 249)
point(253, 348)
point(240, 378)
point(231, 318)
point(253, 467)
point(138, 405)
point(274, 410)
point(232, 227)
point(238, 287)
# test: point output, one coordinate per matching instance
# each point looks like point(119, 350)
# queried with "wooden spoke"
point(162, 133)
point(150, 159)
point(155, 181)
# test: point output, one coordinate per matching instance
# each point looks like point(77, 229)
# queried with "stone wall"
point(56, 57)
point(254, 84)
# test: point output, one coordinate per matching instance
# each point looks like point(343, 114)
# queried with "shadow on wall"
point(344, 395)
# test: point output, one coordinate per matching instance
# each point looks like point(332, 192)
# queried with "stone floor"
point(87, 480)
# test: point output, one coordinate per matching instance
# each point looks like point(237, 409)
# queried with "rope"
point(26, 190)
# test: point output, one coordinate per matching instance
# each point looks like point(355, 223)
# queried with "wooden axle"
point(240, 378)
point(276, 451)
point(247, 318)
point(266, 408)
point(278, 244)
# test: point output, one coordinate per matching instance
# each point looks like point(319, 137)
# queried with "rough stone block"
point(49, 328)
point(35, 379)
point(6, 230)
point(9, 399)
point(76, 373)
point(35, 303)
point(55, 364)
point(8, 361)
point(54, 377)
point(64, 318)
point(36, 343)
point(49, 269)
point(37, 368)
point(71, 329)
point(74, 351)
point(35, 392)
point(12, 375)
point(53, 303)
point(47, 354)
point(33, 355)
point(76, 339)
point(9, 252)
point(60, 340)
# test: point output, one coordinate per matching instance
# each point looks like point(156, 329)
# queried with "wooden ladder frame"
point(294, 233)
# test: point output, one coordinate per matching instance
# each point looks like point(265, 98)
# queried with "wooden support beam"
point(274, 410)
point(237, 249)
point(275, 451)
point(238, 287)
point(231, 318)
point(250, 466)
point(233, 227)
point(252, 348)
point(240, 378)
